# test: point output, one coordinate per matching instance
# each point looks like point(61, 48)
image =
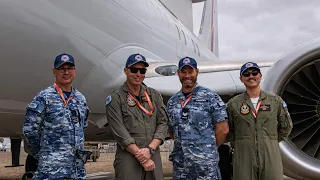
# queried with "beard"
point(188, 83)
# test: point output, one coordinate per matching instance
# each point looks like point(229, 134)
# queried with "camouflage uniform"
point(195, 153)
point(130, 125)
point(256, 140)
point(54, 132)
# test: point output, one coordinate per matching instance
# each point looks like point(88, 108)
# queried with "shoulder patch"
point(284, 105)
point(35, 106)
point(32, 105)
point(108, 99)
point(221, 103)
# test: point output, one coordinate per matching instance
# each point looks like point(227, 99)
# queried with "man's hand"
point(149, 165)
point(222, 130)
point(143, 155)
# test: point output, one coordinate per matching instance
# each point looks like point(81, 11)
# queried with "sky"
point(262, 29)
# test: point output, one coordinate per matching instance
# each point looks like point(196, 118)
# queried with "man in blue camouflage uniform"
point(198, 124)
point(54, 126)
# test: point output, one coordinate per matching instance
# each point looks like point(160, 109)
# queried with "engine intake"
point(296, 78)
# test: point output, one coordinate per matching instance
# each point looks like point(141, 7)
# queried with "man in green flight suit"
point(258, 121)
point(138, 120)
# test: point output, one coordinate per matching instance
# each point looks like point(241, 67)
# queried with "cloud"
point(264, 29)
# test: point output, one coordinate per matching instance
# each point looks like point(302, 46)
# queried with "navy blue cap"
point(135, 58)
point(247, 66)
point(63, 58)
point(187, 61)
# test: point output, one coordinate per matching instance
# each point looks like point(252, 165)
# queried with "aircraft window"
point(167, 70)
point(194, 46)
point(184, 37)
point(198, 49)
point(178, 32)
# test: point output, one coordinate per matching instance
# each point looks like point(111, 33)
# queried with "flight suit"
point(256, 140)
point(131, 125)
point(195, 153)
point(54, 133)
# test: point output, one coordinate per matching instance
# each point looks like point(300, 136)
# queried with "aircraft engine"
point(296, 78)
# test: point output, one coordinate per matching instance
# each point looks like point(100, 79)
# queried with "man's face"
point(135, 73)
point(188, 76)
point(251, 77)
point(65, 73)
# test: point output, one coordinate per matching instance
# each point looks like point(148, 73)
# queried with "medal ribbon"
point(140, 106)
point(183, 104)
point(61, 95)
point(254, 114)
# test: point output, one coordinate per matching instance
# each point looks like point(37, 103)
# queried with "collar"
point(73, 90)
point(194, 91)
point(126, 89)
point(261, 97)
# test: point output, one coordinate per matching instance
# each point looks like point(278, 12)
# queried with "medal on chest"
point(265, 107)
point(244, 109)
point(130, 101)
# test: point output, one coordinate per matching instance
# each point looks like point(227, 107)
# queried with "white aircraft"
point(101, 34)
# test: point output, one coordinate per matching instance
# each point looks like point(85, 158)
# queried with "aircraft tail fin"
point(208, 32)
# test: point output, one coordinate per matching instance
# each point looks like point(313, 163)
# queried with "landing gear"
point(15, 152)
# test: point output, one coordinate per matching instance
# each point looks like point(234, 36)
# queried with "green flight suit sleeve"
point(284, 121)
point(115, 121)
point(162, 119)
point(230, 136)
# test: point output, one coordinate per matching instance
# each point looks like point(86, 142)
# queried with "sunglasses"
point(61, 69)
point(247, 74)
point(135, 70)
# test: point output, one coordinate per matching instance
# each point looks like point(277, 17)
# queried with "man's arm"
point(220, 118)
point(284, 121)
point(170, 120)
point(222, 130)
point(144, 154)
point(85, 123)
point(162, 123)
point(230, 136)
point(161, 130)
point(32, 124)
point(133, 149)
point(115, 121)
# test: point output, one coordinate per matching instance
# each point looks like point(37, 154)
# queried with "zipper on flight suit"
point(144, 122)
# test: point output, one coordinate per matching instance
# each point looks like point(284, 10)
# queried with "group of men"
point(195, 118)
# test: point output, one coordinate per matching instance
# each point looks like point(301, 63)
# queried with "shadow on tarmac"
point(110, 176)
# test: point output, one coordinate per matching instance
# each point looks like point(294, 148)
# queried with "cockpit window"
point(167, 70)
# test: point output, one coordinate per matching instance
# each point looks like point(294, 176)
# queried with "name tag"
point(264, 107)
point(200, 100)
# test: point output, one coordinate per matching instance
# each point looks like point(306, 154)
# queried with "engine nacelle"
point(296, 78)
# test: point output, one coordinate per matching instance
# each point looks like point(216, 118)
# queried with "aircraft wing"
point(222, 76)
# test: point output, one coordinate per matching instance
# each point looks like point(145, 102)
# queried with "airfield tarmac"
point(100, 170)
